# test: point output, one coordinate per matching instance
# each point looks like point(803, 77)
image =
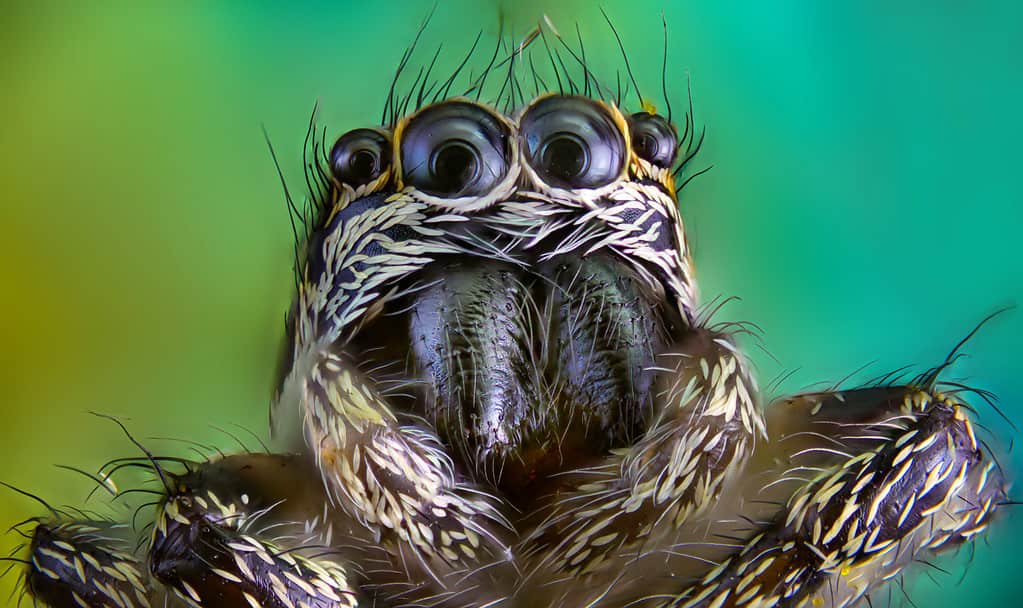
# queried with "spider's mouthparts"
point(524, 372)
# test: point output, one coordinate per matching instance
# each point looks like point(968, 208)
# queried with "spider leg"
point(635, 505)
point(255, 530)
point(398, 481)
point(85, 564)
point(239, 531)
point(887, 475)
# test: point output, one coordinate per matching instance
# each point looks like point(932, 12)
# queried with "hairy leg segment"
point(242, 530)
point(882, 477)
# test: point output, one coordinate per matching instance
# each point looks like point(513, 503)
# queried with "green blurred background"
point(865, 202)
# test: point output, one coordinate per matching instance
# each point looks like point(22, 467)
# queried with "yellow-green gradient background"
point(864, 203)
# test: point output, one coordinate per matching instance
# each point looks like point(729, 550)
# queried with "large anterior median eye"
point(653, 139)
point(454, 149)
point(360, 156)
point(572, 142)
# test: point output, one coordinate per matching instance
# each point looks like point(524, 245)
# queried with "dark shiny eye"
point(653, 139)
point(572, 142)
point(360, 156)
point(454, 149)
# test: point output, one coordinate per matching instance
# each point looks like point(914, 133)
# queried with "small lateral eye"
point(572, 142)
point(454, 149)
point(360, 156)
point(653, 139)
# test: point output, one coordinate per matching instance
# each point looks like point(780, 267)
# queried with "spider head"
point(459, 196)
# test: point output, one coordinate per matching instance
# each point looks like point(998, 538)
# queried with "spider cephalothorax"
point(501, 391)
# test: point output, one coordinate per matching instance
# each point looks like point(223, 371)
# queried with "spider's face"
point(513, 276)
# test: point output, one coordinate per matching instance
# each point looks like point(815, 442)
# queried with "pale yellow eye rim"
point(502, 190)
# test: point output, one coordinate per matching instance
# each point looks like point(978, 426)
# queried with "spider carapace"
point(498, 388)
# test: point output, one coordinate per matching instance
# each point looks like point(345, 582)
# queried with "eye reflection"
point(360, 156)
point(653, 139)
point(454, 149)
point(572, 142)
point(454, 165)
point(565, 156)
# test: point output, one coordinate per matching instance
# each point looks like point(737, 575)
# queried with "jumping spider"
point(498, 389)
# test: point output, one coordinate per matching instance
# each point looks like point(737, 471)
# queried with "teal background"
point(865, 202)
